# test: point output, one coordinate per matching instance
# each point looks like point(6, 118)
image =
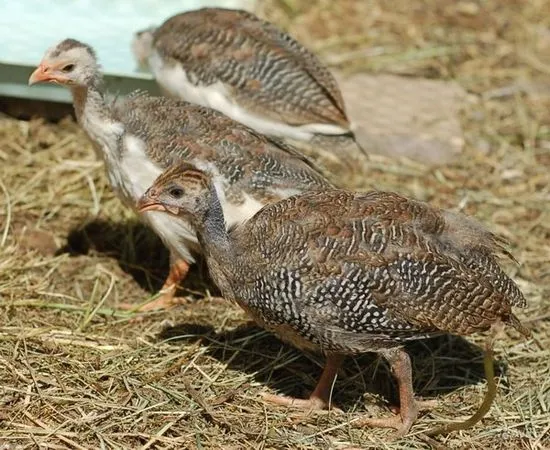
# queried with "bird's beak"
point(149, 202)
point(44, 73)
point(146, 204)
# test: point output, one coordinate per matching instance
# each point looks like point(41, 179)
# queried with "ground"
point(80, 372)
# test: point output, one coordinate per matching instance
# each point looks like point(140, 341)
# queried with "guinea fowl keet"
point(250, 70)
point(346, 273)
point(139, 136)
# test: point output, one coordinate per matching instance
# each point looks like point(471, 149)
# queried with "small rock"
point(403, 116)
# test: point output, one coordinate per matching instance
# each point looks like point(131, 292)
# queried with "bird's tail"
point(340, 156)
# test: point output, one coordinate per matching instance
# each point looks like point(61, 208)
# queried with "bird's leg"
point(401, 366)
point(178, 271)
point(320, 397)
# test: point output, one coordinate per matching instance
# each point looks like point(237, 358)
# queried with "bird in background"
point(250, 70)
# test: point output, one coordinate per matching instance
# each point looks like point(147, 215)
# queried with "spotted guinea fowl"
point(346, 273)
point(250, 70)
point(139, 136)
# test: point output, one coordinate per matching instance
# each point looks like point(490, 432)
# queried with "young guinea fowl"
point(139, 136)
point(253, 72)
point(346, 273)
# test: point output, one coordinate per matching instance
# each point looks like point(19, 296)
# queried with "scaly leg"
point(178, 271)
point(320, 397)
point(408, 412)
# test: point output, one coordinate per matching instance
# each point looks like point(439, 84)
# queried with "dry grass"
point(78, 372)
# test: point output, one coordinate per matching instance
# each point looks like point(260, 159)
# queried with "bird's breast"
point(177, 234)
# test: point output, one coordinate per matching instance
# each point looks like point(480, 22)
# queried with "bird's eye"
point(176, 192)
point(68, 68)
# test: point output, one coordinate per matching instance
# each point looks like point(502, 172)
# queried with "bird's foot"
point(164, 301)
point(396, 422)
point(421, 405)
point(402, 421)
point(312, 403)
point(167, 297)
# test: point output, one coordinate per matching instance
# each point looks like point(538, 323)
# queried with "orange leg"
point(408, 411)
point(320, 397)
point(178, 271)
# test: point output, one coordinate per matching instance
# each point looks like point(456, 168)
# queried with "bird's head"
point(182, 191)
point(142, 46)
point(70, 63)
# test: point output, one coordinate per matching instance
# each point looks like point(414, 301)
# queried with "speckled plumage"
point(373, 270)
point(249, 162)
point(250, 70)
point(139, 136)
point(267, 70)
point(374, 265)
point(347, 273)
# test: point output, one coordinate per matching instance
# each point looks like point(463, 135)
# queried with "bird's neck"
point(89, 101)
point(210, 224)
point(94, 115)
point(215, 240)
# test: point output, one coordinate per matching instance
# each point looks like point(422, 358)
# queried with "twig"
point(489, 395)
point(8, 214)
point(65, 307)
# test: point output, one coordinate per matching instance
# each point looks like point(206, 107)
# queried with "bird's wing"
point(265, 69)
point(175, 130)
point(378, 261)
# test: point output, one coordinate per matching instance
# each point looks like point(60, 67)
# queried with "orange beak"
point(44, 74)
point(144, 204)
point(147, 204)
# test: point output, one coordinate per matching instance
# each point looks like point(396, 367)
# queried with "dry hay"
point(78, 372)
